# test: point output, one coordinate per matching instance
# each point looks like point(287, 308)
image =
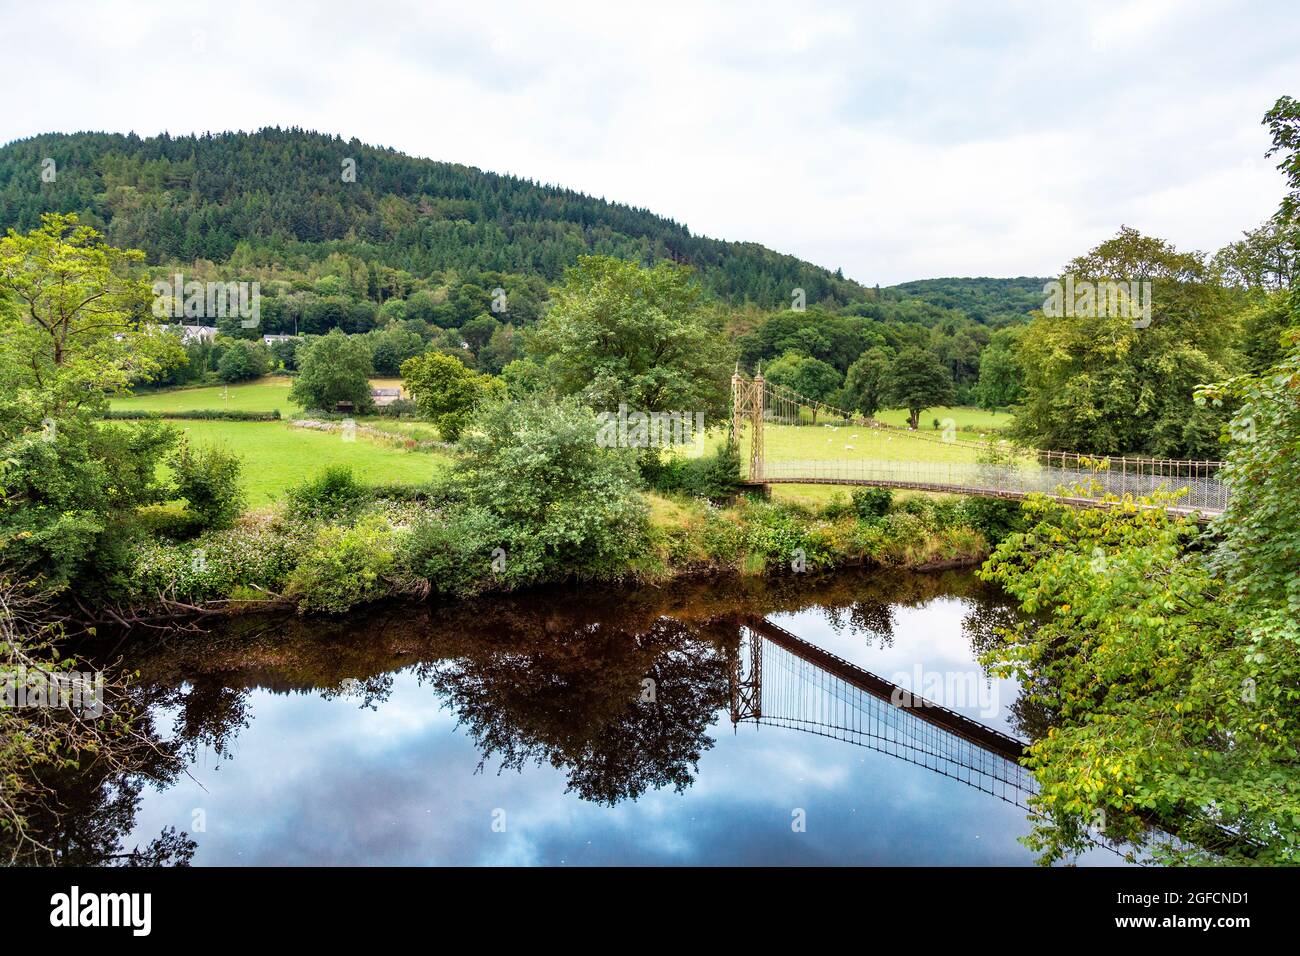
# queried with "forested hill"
point(282, 194)
point(988, 301)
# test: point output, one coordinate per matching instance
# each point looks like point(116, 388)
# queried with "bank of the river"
point(408, 546)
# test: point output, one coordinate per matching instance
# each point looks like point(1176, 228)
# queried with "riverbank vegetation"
point(1166, 658)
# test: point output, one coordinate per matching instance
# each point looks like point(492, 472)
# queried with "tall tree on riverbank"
point(1106, 383)
point(622, 334)
point(1166, 658)
point(75, 328)
point(78, 326)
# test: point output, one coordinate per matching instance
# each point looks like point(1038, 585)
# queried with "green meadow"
point(966, 419)
point(277, 455)
point(264, 395)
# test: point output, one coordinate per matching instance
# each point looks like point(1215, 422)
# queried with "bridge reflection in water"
point(781, 680)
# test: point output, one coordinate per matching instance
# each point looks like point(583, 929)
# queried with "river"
point(582, 726)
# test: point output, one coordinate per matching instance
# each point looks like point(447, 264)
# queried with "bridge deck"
point(1200, 514)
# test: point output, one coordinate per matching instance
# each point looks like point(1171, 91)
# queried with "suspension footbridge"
point(796, 440)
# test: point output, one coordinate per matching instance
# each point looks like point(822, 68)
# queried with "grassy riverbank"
point(379, 547)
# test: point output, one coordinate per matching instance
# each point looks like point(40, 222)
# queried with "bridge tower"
point(747, 400)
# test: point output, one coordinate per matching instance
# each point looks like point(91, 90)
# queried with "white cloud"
point(898, 142)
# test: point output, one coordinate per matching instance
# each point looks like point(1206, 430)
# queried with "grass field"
point(266, 394)
point(967, 419)
point(276, 456)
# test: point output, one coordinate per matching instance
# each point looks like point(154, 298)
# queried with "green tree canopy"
point(243, 361)
point(75, 328)
point(78, 326)
point(916, 380)
point(810, 377)
point(1000, 373)
point(864, 383)
point(446, 391)
point(622, 334)
point(334, 368)
point(1099, 384)
point(562, 503)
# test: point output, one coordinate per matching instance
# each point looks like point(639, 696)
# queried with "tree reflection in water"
point(614, 688)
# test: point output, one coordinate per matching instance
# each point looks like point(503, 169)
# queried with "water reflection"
point(584, 727)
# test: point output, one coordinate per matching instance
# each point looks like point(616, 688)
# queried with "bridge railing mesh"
point(1202, 491)
point(797, 694)
point(1018, 473)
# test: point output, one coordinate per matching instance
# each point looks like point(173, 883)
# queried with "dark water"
point(648, 726)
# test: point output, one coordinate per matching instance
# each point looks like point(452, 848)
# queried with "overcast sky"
point(898, 140)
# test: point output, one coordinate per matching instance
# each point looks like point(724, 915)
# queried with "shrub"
point(334, 494)
point(454, 554)
point(63, 492)
point(715, 476)
point(872, 502)
point(902, 530)
point(208, 479)
point(253, 557)
point(777, 534)
point(838, 507)
point(401, 408)
point(722, 538)
point(565, 505)
point(346, 566)
point(995, 518)
point(947, 513)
